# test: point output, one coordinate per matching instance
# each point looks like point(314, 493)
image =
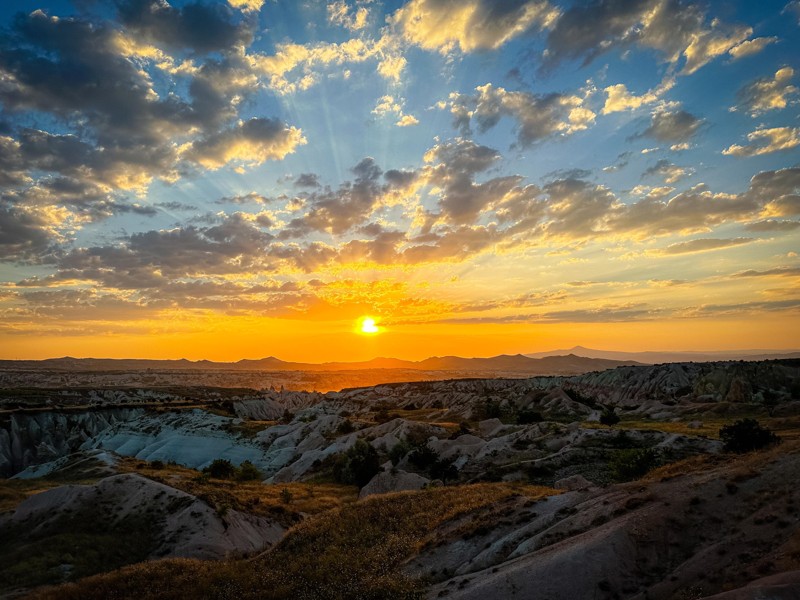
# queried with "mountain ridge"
point(501, 363)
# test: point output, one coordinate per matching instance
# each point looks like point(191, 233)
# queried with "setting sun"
point(368, 326)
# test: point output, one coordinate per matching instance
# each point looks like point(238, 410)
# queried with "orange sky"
point(333, 341)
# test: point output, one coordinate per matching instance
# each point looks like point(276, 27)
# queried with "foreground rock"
point(181, 525)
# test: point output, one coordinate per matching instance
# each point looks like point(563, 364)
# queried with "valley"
point(517, 476)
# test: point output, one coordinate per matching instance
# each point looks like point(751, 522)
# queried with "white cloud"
point(766, 141)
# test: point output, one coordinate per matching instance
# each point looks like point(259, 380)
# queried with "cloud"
point(294, 67)
point(668, 171)
point(339, 13)
point(247, 5)
point(672, 126)
point(768, 93)
point(253, 197)
point(198, 27)
point(307, 180)
point(537, 117)
point(470, 25)
point(250, 142)
point(702, 245)
point(675, 30)
point(772, 225)
point(619, 99)
point(338, 211)
point(777, 271)
point(766, 141)
point(235, 244)
point(26, 234)
point(750, 47)
point(95, 86)
point(792, 8)
point(388, 105)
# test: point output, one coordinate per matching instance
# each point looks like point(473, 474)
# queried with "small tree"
point(358, 465)
point(345, 427)
point(526, 416)
point(746, 435)
point(248, 472)
point(286, 496)
point(609, 417)
point(220, 469)
point(628, 465)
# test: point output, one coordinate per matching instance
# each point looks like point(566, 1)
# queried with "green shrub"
point(220, 469)
point(527, 416)
point(399, 451)
point(345, 427)
point(248, 472)
point(631, 464)
point(286, 496)
point(746, 435)
point(609, 417)
point(358, 465)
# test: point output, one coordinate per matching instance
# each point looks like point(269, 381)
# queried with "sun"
point(367, 326)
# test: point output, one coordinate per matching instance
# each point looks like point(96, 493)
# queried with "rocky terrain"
point(149, 467)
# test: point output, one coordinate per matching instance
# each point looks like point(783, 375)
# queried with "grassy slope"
point(355, 551)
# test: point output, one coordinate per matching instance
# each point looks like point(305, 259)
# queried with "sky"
point(255, 177)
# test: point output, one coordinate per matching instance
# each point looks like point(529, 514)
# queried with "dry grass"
point(352, 552)
point(250, 496)
point(14, 491)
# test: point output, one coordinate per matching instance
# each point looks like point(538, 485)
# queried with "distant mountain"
point(518, 363)
point(666, 357)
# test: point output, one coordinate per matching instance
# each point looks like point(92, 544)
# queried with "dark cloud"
point(148, 259)
point(252, 197)
point(777, 271)
point(703, 245)
point(678, 31)
point(198, 27)
point(307, 180)
point(253, 141)
point(772, 225)
point(24, 234)
point(674, 126)
point(668, 171)
point(537, 116)
point(337, 211)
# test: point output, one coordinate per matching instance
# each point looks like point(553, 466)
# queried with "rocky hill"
point(148, 468)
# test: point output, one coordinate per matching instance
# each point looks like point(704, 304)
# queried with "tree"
point(526, 416)
point(248, 472)
point(358, 465)
point(220, 469)
point(628, 465)
point(746, 435)
point(609, 417)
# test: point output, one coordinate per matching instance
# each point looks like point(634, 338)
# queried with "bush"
point(526, 416)
point(609, 417)
point(286, 496)
point(746, 435)
point(345, 427)
point(220, 469)
point(423, 456)
point(399, 451)
point(157, 464)
point(358, 465)
point(628, 465)
point(444, 470)
point(248, 472)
